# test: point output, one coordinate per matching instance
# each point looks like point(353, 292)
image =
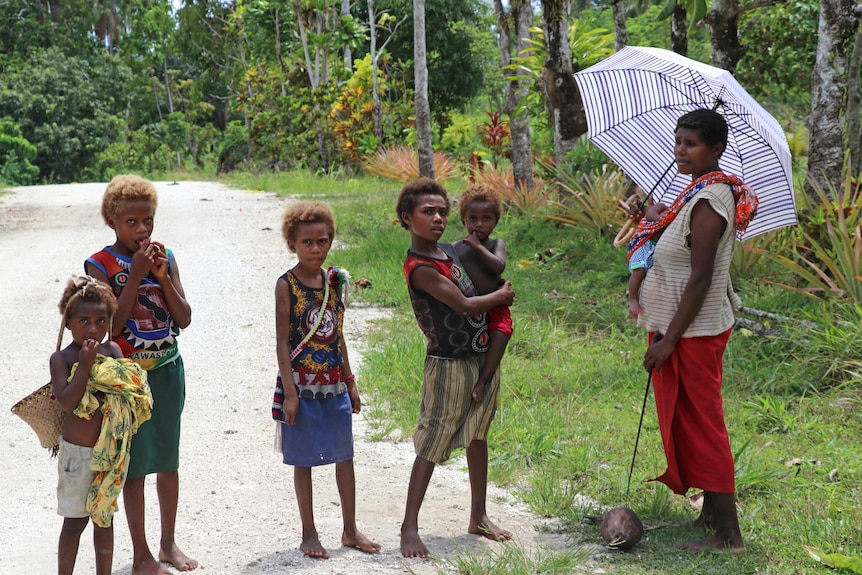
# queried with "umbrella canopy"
point(633, 100)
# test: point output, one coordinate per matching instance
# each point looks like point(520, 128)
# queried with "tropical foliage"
point(827, 258)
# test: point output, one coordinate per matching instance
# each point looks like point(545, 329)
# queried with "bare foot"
point(360, 541)
point(150, 567)
point(178, 559)
point(311, 546)
point(731, 545)
point(487, 529)
point(412, 546)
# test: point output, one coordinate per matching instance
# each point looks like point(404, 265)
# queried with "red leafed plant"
point(496, 135)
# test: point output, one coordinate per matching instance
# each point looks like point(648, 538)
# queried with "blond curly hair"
point(127, 188)
point(306, 213)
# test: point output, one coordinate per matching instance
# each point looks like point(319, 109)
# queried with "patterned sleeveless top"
point(317, 368)
point(450, 335)
point(149, 336)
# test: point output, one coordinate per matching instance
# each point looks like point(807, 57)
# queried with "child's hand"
point(160, 261)
point(142, 259)
point(290, 408)
point(506, 290)
point(635, 308)
point(472, 241)
point(87, 354)
point(355, 401)
point(478, 391)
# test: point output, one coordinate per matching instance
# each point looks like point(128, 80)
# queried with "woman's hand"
point(657, 353)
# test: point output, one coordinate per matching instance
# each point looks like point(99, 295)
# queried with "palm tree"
point(423, 108)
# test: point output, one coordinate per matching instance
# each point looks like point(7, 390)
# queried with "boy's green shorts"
point(156, 445)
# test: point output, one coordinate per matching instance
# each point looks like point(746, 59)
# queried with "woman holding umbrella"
point(689, 317)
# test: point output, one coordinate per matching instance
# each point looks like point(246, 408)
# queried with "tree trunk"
point(312, 67)
point(621, 36)
point(519, 123)
point(836, 34)
point(723, 24)
point(348, 56)
point(423, 107)
point(562, 97)
point(278, 55)
point(168, 86)
point(170, 103)
point(679, 30)
point(854, 103)
point(376, 108)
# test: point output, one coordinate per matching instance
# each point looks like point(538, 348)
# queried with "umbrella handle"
point(625, 233)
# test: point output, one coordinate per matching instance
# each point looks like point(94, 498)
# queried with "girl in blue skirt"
point(316, 404)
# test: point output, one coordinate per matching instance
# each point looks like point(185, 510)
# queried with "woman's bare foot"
point(731, 545)
point(150, 567)
point(487, 529)
point(311, 546)
point(360, 541)
point(412, 546)
point(178, 559)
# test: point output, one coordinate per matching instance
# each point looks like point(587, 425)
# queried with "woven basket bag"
point(41, 411)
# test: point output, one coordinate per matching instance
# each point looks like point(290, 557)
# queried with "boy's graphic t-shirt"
point(149, 336)
point(449, 333)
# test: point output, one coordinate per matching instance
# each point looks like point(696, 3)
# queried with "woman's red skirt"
point(688, 400)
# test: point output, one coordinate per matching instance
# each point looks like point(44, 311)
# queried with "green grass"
point(573, 389)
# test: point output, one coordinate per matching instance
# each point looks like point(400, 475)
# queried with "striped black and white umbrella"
point(633, 100)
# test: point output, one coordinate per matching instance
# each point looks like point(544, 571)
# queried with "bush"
point(828, 255)
point(234, 149)
point(15, 155)
point(402, 164)
point(527, 201)
point(591, 201)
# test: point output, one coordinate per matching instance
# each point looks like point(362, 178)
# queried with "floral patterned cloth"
point(128, 403)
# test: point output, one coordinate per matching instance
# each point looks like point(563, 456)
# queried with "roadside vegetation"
point(573, 385)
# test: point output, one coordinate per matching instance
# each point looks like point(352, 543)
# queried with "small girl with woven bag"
point(106, 398)
point(316, 392)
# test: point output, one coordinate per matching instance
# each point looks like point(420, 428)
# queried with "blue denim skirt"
point(322, 434)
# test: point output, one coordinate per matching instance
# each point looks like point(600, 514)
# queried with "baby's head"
point(306, 213)
point(127, 188)
point(412, 192)
point(89, 298)
point(480, 194)
point(709, 124)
